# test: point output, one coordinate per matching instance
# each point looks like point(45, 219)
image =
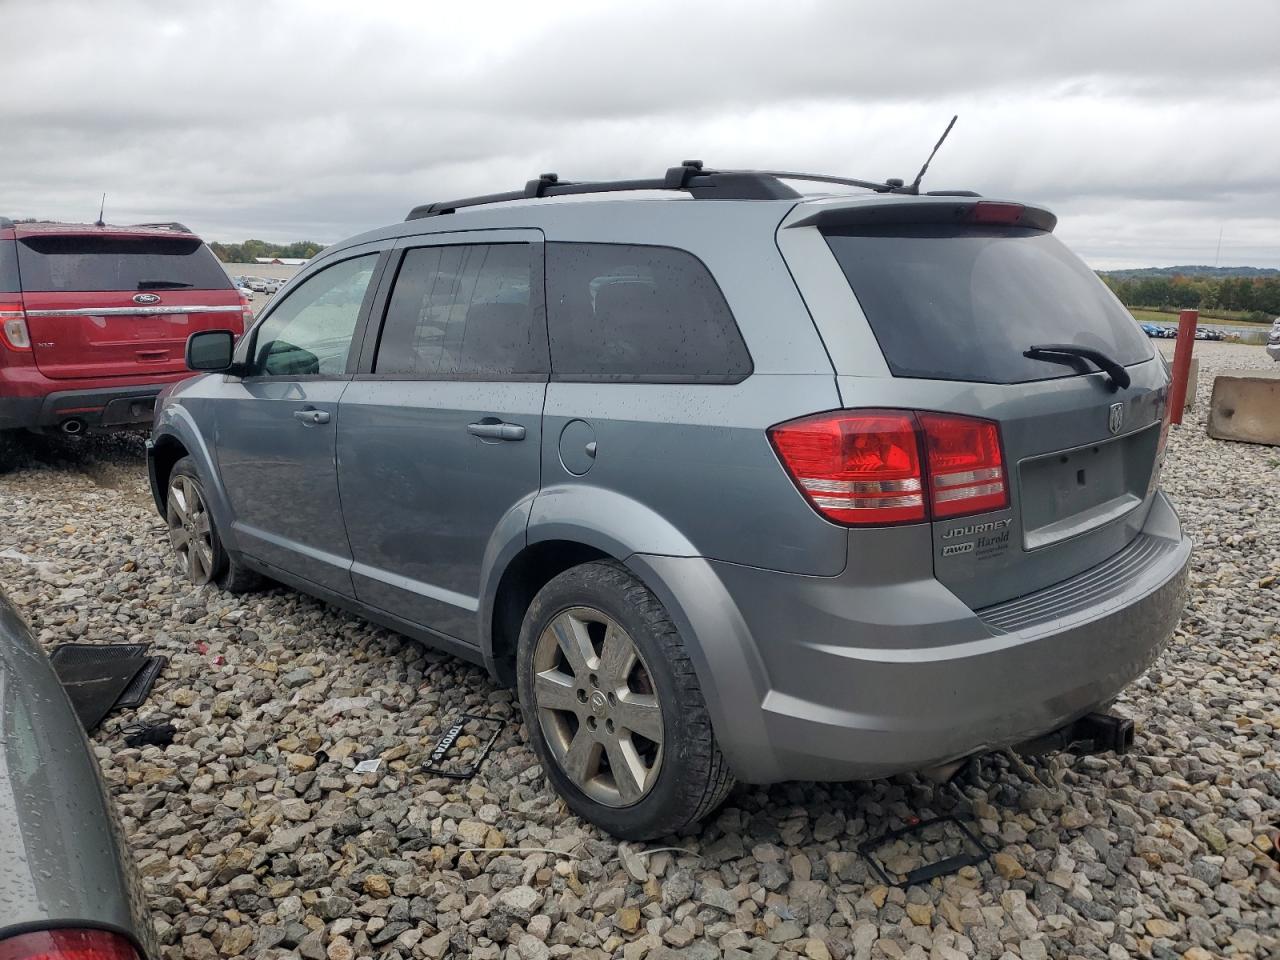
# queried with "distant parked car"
point(69, 887)
point(94, 319)
point(246, 292)
point(271, 285)
point(1273, 340)
point(256, 284)
point(1151, 330)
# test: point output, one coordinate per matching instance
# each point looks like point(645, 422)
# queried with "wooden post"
point(1182, 363)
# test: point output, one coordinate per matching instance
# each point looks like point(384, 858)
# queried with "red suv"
point(94, 319)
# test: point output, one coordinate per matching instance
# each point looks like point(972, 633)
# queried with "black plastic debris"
point(101, 677)
point(155, 730)
point(441, 762)
point(972, 851)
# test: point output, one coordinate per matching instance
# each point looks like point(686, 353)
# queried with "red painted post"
point(1182, 363)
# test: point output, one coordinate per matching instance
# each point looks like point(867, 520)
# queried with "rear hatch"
point(117, 304)
point(955, 294)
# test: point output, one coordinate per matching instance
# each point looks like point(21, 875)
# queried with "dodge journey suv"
point(732, 483)
point(94, 318)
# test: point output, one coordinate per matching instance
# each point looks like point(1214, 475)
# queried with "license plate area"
point(1071, 492)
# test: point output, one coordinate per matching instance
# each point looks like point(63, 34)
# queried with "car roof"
point(654, 216)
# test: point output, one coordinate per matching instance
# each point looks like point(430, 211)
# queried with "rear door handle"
point(311, 416)
point(496, 430)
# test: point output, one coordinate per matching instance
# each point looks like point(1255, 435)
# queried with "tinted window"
point(643, 313)
point(963, 303)
point(310, 331)
point(9, 267)
point(59, 263)
point(464, 311)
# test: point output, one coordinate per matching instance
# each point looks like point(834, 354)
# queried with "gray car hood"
point(62, 862)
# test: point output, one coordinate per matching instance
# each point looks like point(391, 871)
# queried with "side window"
point(464, 312)
point(310, 332)
point(639, 313)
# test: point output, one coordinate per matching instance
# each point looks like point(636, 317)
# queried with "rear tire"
point(194, 535)
point(613, 706)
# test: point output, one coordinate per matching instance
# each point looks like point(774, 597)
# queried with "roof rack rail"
point(170, 225)
point(690, 176)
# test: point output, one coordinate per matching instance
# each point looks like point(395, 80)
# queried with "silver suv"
point(731, 482)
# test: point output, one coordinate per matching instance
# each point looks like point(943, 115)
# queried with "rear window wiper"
point(1064, 352)
point(161, 284)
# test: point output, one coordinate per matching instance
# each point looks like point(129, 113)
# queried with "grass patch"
point(1149, 315)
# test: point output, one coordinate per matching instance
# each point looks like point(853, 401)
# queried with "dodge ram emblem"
point(1115, 418)
point(145, 298)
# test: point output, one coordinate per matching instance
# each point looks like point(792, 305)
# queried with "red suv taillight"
point(246, 312)
point(879, 467)
point(13, 326)
point(67, 945)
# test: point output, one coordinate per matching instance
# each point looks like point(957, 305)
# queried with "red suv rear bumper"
point(28, 399)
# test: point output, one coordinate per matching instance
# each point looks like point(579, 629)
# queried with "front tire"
point(613, 705)
point(194, 536)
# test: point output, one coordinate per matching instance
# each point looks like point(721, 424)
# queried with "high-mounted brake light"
point(995, 212)
point(882, 467)
point(13, 326)
point(67, 945)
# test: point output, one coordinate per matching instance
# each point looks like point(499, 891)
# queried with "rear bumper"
point(96, 406)
point(872, 673)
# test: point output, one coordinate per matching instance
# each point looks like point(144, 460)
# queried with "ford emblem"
point(145, 298)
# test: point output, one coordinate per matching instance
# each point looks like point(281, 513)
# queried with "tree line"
point(1254, 298)
point(250, 250)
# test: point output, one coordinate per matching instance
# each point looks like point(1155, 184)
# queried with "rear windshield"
point(8, 267)
point(962, 303)
point(61, 263)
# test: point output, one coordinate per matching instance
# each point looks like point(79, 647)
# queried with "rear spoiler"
point(893, 211)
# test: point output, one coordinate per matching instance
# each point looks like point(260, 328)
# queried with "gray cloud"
point(1147, 126)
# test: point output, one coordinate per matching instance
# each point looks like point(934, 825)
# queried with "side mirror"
point(210, 350)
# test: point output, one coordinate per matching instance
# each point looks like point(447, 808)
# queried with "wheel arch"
point(176, 431)
point(563, 526)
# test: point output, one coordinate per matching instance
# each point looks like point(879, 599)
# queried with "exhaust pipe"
point(1092, 733)
point(73, 426)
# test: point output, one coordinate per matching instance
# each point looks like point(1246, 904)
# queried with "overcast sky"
point(1148, 127)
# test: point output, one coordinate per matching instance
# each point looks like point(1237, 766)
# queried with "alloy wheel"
point(597, 706)
point(190, 529)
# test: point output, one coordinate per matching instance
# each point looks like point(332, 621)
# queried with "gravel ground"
point(257, 837)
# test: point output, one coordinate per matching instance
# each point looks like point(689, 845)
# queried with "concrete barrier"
point(1246, 408)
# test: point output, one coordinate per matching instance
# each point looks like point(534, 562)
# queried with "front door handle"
point(311, 416)
point(490, 429)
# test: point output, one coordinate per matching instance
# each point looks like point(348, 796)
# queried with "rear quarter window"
point(101, 263)
point(639, 313)
point(949, 302)
point(9, 281)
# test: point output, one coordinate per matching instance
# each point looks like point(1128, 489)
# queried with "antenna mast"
point(101, 210)
point(915, 184)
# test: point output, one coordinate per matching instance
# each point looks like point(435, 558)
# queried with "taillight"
point(879, 467)
point(861, 468)
point(966, 468)
point(13, 326)
point(246, 314)
point(67, 945)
